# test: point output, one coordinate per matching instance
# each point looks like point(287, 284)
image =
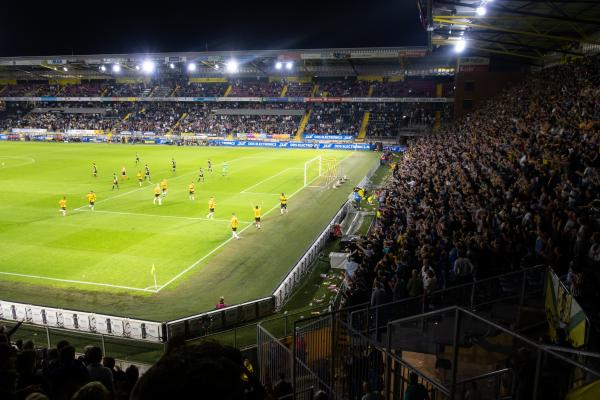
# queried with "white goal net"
point(323, 172)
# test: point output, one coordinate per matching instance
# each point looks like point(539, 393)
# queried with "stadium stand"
point(196, 89)
point(512, 186)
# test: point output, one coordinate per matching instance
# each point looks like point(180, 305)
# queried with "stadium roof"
point(529, 29)
point(387, 61)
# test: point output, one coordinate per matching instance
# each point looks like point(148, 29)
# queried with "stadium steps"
point(302, 126)
point(183, 116)
point(126, 117)
point(284, 90)
point(229, 89)
point(371, 88)
point(60, 90)
point(3, 88)
point(314, 91)
point(146, 92)
point(177, 87)
point(104, 92)
point(363, 127)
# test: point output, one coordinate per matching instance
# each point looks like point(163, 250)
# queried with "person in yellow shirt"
point(91, 198)
point(140, 178)
point(123, 173)
point(191, 191)
point(283, 201)
point(62, 203)
point(164, 186)
point(234, 226)
point(157, 198)
point(257, 216)
point(211, 208)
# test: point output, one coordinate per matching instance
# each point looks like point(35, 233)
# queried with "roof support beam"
point(503, 9)
point(517, 31)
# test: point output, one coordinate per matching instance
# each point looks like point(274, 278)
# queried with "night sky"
point(105, 26)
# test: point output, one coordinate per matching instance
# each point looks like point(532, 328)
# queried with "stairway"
point(229, 89)
point(146, 92)
point(302, 126)
point(314, 91)
point(371, 88)
point(362, 133)
point(284, 90)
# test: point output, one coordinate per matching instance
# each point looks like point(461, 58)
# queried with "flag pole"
point(154, 274)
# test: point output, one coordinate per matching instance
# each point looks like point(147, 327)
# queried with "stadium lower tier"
point(225, 118)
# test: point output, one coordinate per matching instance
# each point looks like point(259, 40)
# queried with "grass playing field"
point(101, 260)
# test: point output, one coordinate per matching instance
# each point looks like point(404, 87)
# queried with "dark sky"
point(107, 26)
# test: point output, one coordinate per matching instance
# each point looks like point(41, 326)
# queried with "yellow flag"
point(153, 270)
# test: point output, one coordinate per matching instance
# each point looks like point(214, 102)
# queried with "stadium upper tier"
point(181, 87)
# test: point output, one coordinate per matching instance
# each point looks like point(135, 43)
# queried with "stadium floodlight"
point(232, 66)
point(289, 65)
point(480, 11)
point(460, 45)
point(137, 67)
point(191, 67)
point(65, 69)
point(172, 66)
point(116, 68)
point(278, 65)
point(216, 66)
point(148, 66)
point(102, 68)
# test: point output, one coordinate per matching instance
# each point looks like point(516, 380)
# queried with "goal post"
point(313, 169)
point(322, 172)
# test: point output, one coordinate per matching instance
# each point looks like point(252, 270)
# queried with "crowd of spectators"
point(196, 89)
point(510, 186)
point(299, 89)
point(335, 119)
point(58, 373)
point(158, 118)
point(408, 88)
point(343, 88)
point(85, 89)
point(255, 88)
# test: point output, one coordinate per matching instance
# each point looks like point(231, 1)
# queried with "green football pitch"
point(102, 260)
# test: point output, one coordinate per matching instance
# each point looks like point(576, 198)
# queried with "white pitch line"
point(163, 216)
point(78, 282)
point(266, 179)
point(268, 194)
point(231, 238)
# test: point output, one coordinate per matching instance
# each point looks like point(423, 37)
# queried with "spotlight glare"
point(137, 67)
point(460, 46)
point(278, 65)
point(480, 11)
point(191, 67)
point(102, 68)
point(232, 66)
point(65, 69)
point(289, 65)
point(116, 68)
point(172, 66)
point(148, 66)
point(216, 66)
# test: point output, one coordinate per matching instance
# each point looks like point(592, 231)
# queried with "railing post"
point(455, 354)
point(285, 326)
point(333, 352)
point(103, 345)
point(388, 363)
point(294, 372)
point(48, 337)
point(235, 337)
point(536, 380)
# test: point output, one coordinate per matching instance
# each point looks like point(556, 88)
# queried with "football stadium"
point(354, 214)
